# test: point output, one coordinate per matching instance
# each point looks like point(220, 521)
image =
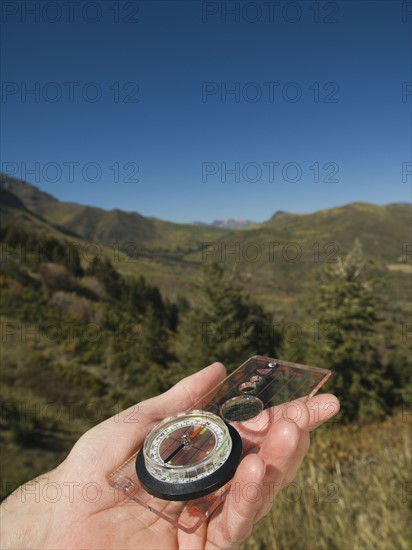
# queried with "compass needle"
point(198, 431)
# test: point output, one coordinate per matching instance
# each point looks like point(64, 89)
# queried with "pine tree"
point(153, 339)
point(228, 326)
point(103, 269)
point(345, 304)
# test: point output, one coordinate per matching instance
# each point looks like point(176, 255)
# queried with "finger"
point(180, 397)
point(302, 421)
point(318, 411)
point(322, 407)
point(284, 447)
point(314, 413)
point(255, 431)
point(235, 521)
point(110, 443)
point(283, 450)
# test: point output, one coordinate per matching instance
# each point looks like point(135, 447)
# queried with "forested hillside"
point(274, 258)
point(88, 329)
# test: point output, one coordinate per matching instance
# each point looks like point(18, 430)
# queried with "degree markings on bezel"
point(202, 459)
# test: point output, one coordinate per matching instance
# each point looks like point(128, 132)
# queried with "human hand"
point(86, 514)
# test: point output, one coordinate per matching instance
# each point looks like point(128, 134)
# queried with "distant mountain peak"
point(278, 213)
point(227, 223)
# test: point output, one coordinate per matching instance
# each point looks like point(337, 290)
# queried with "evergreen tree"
point(135, 294)
point(106, 273)
point(72, 261)
point(153, 339)
point(345, 303)
point(228, 326)
point(154, 298)
point(171, 315)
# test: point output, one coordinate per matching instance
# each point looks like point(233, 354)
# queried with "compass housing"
point(188, 455)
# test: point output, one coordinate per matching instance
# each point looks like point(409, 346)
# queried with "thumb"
point(111, 442)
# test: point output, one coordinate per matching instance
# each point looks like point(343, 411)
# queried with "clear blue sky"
point(317, 118)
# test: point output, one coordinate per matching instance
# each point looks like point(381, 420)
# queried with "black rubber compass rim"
point(197, 488)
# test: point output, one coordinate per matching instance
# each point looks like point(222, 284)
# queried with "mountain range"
point(274, 257)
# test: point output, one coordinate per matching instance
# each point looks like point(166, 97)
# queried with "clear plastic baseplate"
point(260, 379)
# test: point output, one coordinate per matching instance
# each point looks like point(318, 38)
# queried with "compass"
point(188, 455)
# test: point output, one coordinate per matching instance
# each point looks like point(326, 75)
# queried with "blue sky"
point(131, 105)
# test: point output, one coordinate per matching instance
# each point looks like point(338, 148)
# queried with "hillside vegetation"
point(88, 329)
point(275, 258)
point(350, 493)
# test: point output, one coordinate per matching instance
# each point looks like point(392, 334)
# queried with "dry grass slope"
point(351, 493)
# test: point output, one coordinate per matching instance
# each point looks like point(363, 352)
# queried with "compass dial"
point(188, 455)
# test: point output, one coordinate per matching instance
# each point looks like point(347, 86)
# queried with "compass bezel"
point(196, 488)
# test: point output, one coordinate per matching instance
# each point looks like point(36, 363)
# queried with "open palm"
point(73, 506)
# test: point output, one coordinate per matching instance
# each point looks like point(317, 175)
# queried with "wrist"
point(25, 516)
